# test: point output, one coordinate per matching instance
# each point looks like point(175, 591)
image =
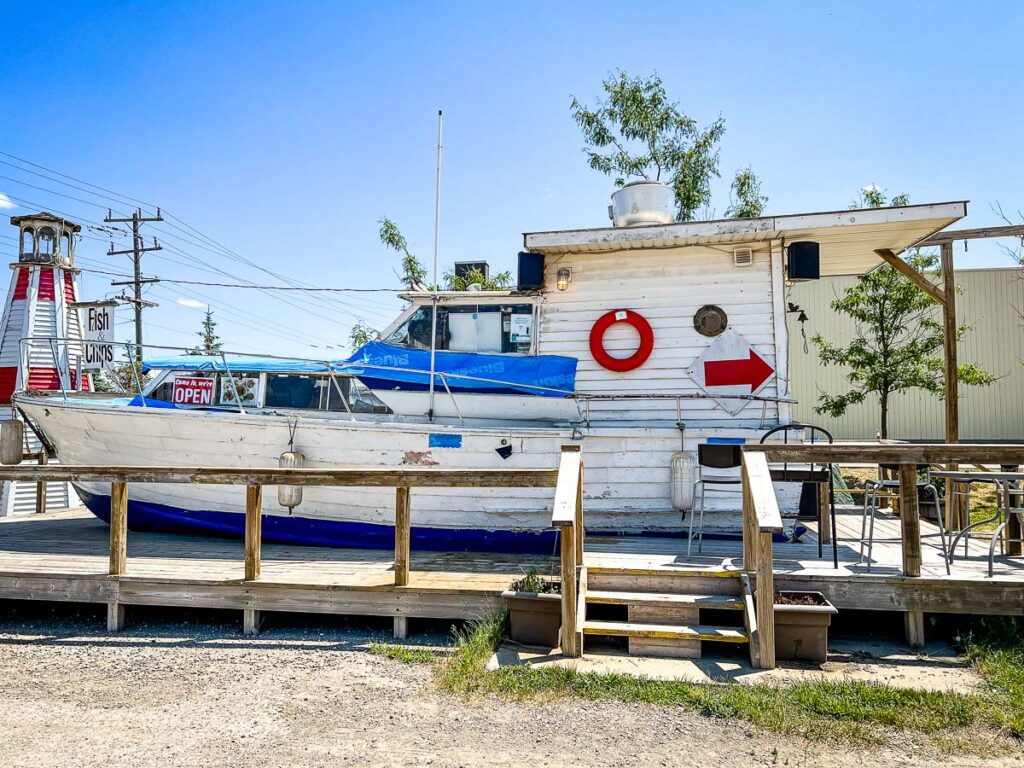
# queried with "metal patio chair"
point(813, 474)
point(713, 456)
point(874, 490)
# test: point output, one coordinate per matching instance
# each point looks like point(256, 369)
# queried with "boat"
point(635, 342)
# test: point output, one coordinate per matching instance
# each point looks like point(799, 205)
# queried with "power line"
point(220, 248)
point(276, 287)
point(326, 299)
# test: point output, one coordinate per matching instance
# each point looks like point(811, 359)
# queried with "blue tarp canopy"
point(239, 364)
point(386, 366)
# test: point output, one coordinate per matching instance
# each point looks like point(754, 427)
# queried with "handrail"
point(889, 453)
point(402, 479)
point(758, 476)
point(567, 516)
point(432, 477)
point(761, 520)
point(567, 486)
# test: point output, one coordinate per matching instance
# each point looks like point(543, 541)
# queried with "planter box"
point(801, 631)
point(534, 619)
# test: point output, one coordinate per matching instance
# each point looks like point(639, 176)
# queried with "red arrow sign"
point(733, 373)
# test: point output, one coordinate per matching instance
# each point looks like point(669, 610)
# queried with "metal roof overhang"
point(848, 239)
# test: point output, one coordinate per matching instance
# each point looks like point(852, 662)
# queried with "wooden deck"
point(65, 556)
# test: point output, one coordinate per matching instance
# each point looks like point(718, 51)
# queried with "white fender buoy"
point(12, 441)
point(290, 495)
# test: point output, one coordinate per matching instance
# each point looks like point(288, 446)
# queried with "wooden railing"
point(761, 506)
point(567, 516)
point(402, 479)
point(761, 520)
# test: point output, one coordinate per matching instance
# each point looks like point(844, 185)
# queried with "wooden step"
point(706, 573)
point(715, 602)
point(666, 631)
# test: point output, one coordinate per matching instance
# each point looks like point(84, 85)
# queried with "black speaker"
point(531, 271)
point(804, 261)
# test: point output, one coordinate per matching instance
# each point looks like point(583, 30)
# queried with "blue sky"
point(284, 131)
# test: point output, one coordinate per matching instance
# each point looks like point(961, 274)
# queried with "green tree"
point(414, 273)
point(873, 196)
point(747, 202)
point(121, 379)
point(498, 282)
point(211, 344)
point(898, 341)
point(636, 132)
point(362, 334)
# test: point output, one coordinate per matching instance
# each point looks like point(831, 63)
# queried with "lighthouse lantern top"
point(45, 239)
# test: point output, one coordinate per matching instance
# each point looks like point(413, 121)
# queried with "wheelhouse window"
point(494, 328)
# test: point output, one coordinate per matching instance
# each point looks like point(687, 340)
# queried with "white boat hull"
point(626, 469)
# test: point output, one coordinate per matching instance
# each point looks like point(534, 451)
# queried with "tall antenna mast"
point(436, 286)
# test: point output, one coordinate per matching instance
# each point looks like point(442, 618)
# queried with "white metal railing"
point(585, 398)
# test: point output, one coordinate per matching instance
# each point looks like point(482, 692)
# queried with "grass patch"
point(845, 710)
point(996, 646)
point(404, 654)
point(979, 513)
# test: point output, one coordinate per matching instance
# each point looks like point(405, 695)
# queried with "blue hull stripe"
point(293, 529)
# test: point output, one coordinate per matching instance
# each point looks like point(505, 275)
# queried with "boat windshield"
point(493, 328)
point(305, 391)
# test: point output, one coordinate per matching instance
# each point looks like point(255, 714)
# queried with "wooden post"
point(749, 528)
point(118, 548)
point(115, 617)
point(949, 345)
point(910, 523)
point(580, 534)
point(1015, 498)
point(251, 618)
point(765, 604)
point(41, 485)
point(956, 511)
point(824, 505)
point(568, 558)
point(403, 533)
point(118, 528)
point(400, 628)
point(253, 530)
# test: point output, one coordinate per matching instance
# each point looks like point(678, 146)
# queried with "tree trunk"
point(884, 432)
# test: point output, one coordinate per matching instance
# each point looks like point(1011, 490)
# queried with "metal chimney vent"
point(743, 257)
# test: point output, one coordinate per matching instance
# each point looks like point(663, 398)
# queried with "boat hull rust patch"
point(419, 459)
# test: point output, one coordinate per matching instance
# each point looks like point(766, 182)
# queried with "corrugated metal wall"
point(991, 301)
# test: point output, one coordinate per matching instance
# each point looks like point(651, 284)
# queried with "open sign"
point(192, 390)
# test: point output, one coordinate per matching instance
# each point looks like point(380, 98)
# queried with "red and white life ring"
point(638, 358)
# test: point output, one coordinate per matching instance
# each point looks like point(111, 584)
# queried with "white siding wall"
point(666, 286)
point(991, 302)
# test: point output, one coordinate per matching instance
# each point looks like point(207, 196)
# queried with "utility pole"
point(137, 220)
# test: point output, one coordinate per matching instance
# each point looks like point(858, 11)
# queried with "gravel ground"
point(199, 694)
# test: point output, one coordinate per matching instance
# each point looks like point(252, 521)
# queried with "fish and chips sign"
point(98, 335)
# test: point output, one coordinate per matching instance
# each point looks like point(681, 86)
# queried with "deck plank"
point(64, 555)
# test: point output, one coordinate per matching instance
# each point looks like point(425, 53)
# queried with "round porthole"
point(710, 320)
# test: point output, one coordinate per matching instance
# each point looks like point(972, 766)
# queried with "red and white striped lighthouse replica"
point(41, 341)
point(39, 308)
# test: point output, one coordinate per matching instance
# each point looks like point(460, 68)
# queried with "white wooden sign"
point(98, 333)
point(731, 366)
